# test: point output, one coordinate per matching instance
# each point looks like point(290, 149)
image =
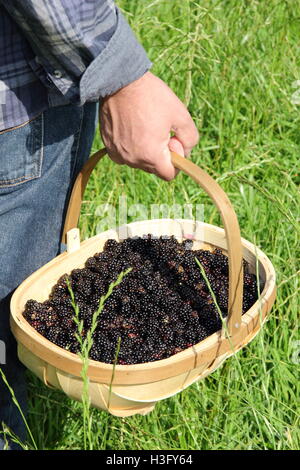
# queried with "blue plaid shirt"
point(54, 52)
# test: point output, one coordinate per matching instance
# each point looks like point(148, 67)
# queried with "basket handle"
point(233, 236)
point(73, 211)
point(221, 201)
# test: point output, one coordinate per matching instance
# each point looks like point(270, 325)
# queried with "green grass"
point(85, 341)
point(234, 64)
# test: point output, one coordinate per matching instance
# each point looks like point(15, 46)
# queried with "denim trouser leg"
point(38, 165)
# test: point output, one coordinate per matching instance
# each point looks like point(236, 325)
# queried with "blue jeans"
point(38, 165)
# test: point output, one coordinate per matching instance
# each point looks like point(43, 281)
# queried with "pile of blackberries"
point(161, 307)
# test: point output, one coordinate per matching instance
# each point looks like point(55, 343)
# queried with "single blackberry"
point(210, 319)
point(39, 326)
point(201, 334)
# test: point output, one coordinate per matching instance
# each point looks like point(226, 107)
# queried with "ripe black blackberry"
point(210, 319)
point(162, 306)
point(57, 336)
point(201, 334)
point(39, 326)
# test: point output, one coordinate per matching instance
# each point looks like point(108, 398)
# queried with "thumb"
point(176, 146)
point(165, 169)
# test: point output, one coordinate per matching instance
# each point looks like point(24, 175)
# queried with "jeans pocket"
point(21, 153)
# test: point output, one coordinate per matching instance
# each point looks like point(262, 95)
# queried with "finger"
point(176, 146)
point(115, 157)
point(186, 132)
point(164, 168)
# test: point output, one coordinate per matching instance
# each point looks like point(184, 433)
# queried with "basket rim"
point(255, 316)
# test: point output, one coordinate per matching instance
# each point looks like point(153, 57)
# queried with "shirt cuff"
point(122, 61)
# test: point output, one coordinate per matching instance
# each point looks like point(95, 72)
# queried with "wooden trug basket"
point(136, 388)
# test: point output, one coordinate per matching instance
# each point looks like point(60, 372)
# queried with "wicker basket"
point(136, 388)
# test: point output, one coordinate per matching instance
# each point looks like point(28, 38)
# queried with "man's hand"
point(136, 122)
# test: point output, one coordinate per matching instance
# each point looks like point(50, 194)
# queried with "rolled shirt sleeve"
point(85, 50)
